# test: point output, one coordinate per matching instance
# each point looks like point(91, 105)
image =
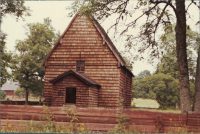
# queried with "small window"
point(80, 66)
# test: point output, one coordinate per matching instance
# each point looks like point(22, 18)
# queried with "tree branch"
point(169, 3)
point(133, 22)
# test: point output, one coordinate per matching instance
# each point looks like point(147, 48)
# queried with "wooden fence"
point(103, 119)
point(10, 102)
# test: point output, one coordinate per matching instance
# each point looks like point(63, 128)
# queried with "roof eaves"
point(109, 42)
point(59, 39)
point(83, 77)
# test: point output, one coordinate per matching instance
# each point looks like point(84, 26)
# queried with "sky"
point(56, 11)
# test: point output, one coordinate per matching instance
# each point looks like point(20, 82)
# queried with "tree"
point(197, 85)
point(144, 74)
point(5, 60)
point(138, 90)
point(19, 92)
point(14, 8)
point(128, 62)
point(168, 63)
point(26, 66)
point(156, 16)
point(169, 56)
point(3, 95)
point(163, 88)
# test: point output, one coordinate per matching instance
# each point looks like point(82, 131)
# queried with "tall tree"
point(17, 9)
point(5, 60)
point(169, 57)
point(156, 16)
point(30, 53)
point(197, 85)
point(163, 88)
point(144, 74)
point(168, 62)
point(136, 82)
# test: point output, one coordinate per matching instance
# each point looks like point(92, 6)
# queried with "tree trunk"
point(197, 85)
point(40, 100)
point(26, 94)
point(185, 103)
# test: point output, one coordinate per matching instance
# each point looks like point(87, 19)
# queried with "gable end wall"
point(83, 42)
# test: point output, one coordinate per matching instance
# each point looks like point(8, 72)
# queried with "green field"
point(142, 104)
point(145, 103)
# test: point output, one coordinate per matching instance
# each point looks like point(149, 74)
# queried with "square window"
point(80, 66)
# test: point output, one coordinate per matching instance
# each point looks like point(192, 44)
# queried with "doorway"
point(70, 95)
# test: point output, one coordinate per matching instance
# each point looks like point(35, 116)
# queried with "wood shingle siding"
point(84, 40)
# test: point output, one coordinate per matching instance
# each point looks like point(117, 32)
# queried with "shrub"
point(3, 95)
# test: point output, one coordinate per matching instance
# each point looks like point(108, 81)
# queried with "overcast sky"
point(56, 11)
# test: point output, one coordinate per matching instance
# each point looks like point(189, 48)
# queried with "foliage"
point(19, 92)
point(5, 59)
point(163, 88)
point(143, 74)
point(168, 65)
point(136, 85)
point(3, 95)
point(168, 62)
point(192, 92)
point(14, 8)
point(121, 119)
point(127, 61)
point(30, 53)
point(71, 114)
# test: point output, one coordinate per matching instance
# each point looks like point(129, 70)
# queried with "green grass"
point(142, 104)
point(159, 110)
point(149, 103)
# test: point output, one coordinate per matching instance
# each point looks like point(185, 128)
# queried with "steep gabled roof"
point(81, 76)
point(11, 86)
point(105, 37)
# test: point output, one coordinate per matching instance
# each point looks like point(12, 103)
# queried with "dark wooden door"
point(71, 95)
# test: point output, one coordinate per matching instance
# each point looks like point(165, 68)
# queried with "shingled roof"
point(81, 76)
point(105, 37)
point(10, 86)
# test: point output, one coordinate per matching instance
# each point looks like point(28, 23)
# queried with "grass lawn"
point(145, 103)
point(148, 103)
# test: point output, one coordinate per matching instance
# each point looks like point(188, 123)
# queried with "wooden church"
point(84, 69)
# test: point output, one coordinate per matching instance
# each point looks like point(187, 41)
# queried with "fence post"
point(159, 124)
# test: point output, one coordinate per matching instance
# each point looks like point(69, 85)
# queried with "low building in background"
point(9, 88)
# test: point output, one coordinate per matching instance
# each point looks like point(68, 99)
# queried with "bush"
point(19, 92)
point(3, 95)
point(162, 87)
